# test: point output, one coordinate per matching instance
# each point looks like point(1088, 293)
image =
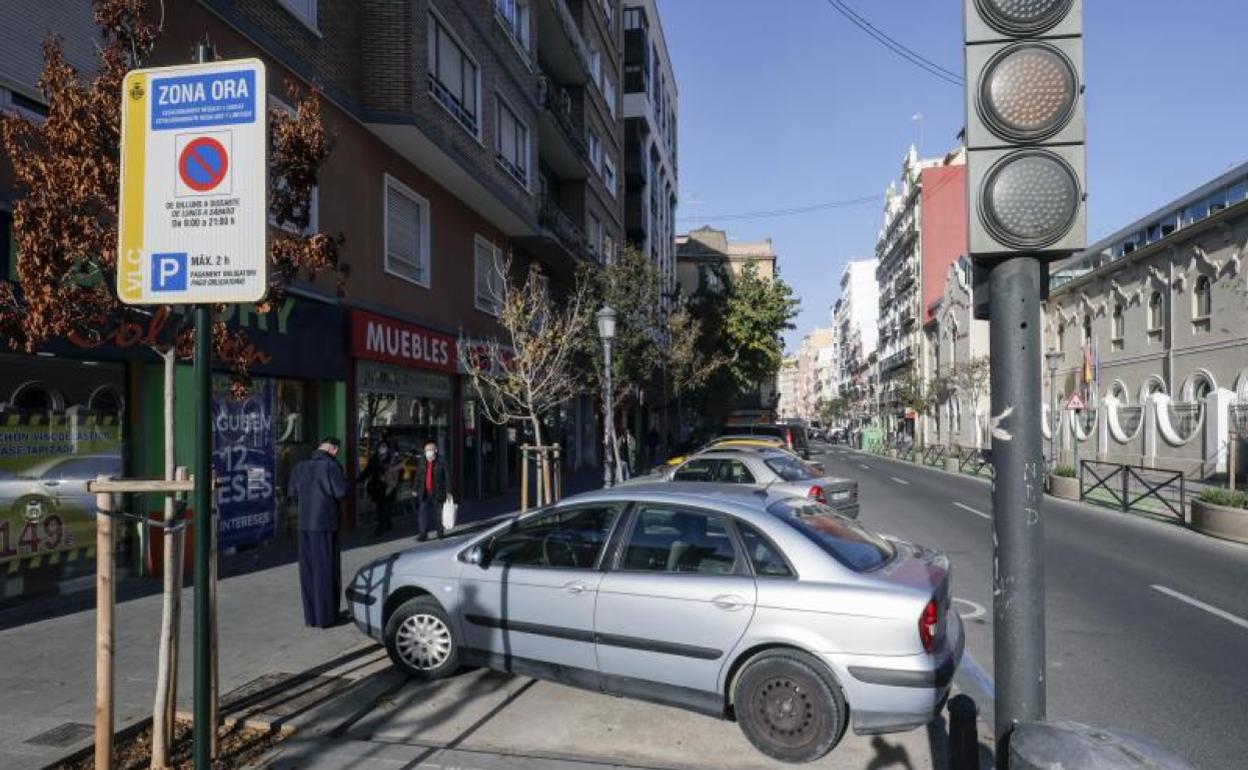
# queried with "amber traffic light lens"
point(1027, 92)
point(1029, 199)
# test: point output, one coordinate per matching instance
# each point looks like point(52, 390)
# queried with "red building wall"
point(943, 230)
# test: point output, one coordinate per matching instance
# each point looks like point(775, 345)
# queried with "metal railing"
point(1134, 488)
point(974, 461)
point(558, 102)
point(935, 454)
point(572, 237)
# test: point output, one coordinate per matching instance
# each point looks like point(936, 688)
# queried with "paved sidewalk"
point(47, 664)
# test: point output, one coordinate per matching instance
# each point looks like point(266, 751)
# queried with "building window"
point(595, 149)
point(595, 64)
point(407, 233)
point(1087, 329)
point(453, 76)
point(594, 226)
point(512, 144)
point(635, 18)
point(608, 248)
point(1119, 327)
point(1154, 316)
point(488, 269)
point(1061, 336)
point(303, 10)
point(1202, 303)
point(314, 198)
point(608, 174)
point(608, 93)
point(514, 16)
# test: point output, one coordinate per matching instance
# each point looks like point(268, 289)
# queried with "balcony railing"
point(551, 217)
point(897, 360)
point(570, 28)
point(557, 100)
point(448, 100)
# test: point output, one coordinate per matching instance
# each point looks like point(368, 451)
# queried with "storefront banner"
point(384, 339)
point(244, 444)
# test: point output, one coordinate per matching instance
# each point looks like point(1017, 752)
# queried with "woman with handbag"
point(432, 492)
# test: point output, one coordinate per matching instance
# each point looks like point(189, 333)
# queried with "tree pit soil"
point(240, 745)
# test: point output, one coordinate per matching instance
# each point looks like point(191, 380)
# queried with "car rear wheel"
point(420, 641)
point(789, 707)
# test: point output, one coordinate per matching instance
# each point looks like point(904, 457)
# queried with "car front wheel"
point(789, 707)
point(420, 641)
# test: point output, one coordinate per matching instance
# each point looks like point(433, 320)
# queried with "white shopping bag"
point(448, 512)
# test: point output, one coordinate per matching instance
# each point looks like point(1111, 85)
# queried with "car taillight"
point(816, 494)
point(788, 437)
point(927, 626)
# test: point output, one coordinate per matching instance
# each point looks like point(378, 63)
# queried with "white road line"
point(980, 514)
point(1201, 605)
point(903, 482)
point(864, 466)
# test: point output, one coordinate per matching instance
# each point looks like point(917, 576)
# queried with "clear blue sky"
point(784, 103)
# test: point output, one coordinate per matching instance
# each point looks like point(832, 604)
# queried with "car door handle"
point(576, 587)
point(728, 602)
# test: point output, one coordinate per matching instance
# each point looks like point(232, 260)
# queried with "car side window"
point(737, 473)
point(568, 538)
point(763, 555)
point(674, 540)
point(697, 470)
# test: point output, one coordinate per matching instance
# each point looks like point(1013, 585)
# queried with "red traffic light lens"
point(1023, 17)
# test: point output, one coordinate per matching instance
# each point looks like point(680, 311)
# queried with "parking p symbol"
point(169, 272)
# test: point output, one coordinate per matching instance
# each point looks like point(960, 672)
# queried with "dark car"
point(794, 436)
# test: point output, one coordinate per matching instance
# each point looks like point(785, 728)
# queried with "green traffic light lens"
point(1027, 92)
point(1023, 17)
point(1030, 199)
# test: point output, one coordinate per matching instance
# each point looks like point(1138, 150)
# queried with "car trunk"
point(923, 570)
point(838, 492)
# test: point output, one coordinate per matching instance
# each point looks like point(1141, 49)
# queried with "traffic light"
point(1024, 128)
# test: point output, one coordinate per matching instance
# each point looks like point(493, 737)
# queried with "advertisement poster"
point(45, 461)
point(244, 443)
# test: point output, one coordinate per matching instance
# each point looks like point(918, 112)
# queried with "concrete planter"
point(1220, 521)
point(892, 453)
point(1066, 487)
point(951, 464)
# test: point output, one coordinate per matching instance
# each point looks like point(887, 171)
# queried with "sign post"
point(193, 215)
point(1075, 404)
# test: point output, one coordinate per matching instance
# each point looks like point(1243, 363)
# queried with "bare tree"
point(531, 369)
point(973, 379)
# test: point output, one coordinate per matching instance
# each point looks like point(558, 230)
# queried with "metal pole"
point(203, 536)
point(1054, 422)
point(1018, 530)
point(608, 415)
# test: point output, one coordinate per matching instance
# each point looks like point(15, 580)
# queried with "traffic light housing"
point(1024, 128)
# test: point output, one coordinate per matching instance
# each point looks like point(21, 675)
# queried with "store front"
point(406, 392)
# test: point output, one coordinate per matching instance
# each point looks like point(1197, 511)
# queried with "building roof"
point(707, 241)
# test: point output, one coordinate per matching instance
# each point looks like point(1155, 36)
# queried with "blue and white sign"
point(194, 182)
point(244, 454)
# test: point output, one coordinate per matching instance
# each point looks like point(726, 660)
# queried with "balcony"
point(905, 278)
point(561, 48)
point(636, 221)
point(561, 136)
point(897, 360)
point(561, 244)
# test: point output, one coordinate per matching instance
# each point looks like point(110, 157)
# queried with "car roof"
point(743, 498)
point(752, 451)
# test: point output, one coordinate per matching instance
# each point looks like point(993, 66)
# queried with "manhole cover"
point(62, 735)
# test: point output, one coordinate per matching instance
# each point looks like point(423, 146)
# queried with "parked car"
point(739, 603)
point(772, 469)
point(794, 436)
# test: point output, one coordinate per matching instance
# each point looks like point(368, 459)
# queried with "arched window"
point(1120, 324)
point(1201, 389)
point(1087, 328)
point(1202, 298)
point(1061, 335)
point(1154, 312)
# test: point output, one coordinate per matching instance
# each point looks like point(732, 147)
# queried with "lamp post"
point(1051, 358)
point(606, 330)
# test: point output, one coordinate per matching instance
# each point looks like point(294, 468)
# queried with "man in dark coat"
point(316, 485)
point(432, 488)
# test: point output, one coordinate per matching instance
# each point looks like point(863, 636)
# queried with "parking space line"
point(980, 514)
point(903, 482)
point(1197, 603)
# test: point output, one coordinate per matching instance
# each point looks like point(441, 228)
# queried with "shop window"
point(407, 233)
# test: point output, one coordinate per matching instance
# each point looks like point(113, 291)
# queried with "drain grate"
point(62, 735)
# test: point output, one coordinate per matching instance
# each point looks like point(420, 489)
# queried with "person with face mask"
point(381, 478)
point(432, 488)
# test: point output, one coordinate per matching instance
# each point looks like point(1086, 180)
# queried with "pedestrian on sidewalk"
point(431, 492)
point(381, 479)
point(317, 485)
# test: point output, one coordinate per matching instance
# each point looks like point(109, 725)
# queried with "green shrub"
point(1065, 471)
point(1225, 497)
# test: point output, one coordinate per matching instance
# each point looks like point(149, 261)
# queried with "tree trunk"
point(165, 705)
point(543, 466)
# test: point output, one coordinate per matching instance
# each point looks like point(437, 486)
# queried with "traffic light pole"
point(1017, 525)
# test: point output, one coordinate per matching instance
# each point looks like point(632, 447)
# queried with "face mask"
point(383, 451)
point(430, 454)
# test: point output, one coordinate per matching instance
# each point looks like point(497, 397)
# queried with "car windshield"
point(790, 468)
point(845, 540)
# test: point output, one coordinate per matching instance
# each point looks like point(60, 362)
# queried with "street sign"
point(1075, 404)
point(194, 185)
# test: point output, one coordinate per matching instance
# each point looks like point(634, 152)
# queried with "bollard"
point(963, 733)
point(1047, 745)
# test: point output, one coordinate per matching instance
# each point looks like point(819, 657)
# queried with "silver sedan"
point(726, 600)
point(772, 469)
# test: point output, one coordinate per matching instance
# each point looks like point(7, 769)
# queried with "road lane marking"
point(977, 610)
point(966, 507)
point(903, 482)
point(1221, 613)
point(864, 466)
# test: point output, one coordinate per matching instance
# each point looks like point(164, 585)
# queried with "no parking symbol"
point(203, 164)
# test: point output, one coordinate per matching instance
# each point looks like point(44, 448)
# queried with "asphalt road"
point(1147, 623)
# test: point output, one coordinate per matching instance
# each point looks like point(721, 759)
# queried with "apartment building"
point(855, 319)
point(650, 175)
point(955, 339)
point(465, 132)
point(924, 232)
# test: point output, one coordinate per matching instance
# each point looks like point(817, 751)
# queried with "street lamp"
point(1052, 358)
point(606, 330)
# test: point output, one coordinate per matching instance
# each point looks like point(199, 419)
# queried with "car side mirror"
point(475, 555)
